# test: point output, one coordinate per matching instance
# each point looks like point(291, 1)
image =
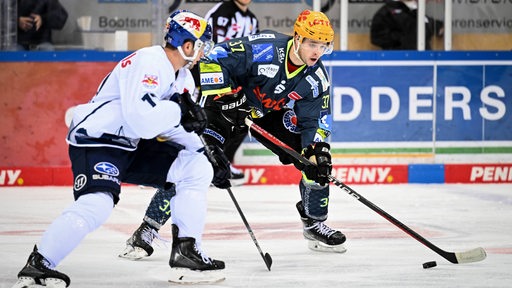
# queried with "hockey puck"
point(430, 264)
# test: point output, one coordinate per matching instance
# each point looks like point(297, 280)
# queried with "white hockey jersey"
point(132, 102)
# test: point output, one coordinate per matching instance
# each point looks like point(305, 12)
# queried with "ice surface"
point(453, 217)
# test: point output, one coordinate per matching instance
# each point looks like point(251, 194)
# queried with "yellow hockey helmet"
point(314, 25)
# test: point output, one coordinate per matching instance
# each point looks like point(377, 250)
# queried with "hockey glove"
point(221, 168)
point(193, 118)
point(318, 153)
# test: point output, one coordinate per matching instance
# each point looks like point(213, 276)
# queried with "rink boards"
point(429, 117)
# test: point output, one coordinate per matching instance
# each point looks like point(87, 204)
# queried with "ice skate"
point(189, 265)
point(320, 236)
point(37, 274)
point(138, 246)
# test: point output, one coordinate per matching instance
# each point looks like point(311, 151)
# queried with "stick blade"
point(268, 260)
point(473, 255)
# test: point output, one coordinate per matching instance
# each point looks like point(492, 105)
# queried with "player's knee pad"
point(191, 169)
point(90, 211)
point(159, 209)
point(315, 199)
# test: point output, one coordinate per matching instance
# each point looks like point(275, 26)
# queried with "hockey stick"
point(266, 257)
point(473, 255)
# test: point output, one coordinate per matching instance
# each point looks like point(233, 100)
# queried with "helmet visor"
point(207, 46)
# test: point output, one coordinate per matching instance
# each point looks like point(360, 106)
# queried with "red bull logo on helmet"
point(192, 23)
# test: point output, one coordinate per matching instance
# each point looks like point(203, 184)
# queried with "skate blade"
point(29, 282)
point(133, 253)
point(322, 247)
point(187, 276)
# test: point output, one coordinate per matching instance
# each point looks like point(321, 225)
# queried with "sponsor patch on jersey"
point(325, 120)
point(214, 134)
point(290, 121)
point(80, 182)
point(314, 85)
point(150, 81)
point(212, 78)
point(269, 70)
point(280, 87)
point(218, 52)
point(262, 52)
point(294, 96)
point(323, 79)
point(261, 36)
point(280, 54)
point(106, 168)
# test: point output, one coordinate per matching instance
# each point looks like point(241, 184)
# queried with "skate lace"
point(149, 234)
point(205, 258)
point(323, 229)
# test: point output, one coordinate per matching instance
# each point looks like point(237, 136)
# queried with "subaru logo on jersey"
point(106, 168)
point(262, 52)
point(212, 78)
point(290, 121)
point(314, 85)
point(269, 70)
point(261, 36)
point(150, 81)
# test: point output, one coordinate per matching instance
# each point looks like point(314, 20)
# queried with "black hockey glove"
point(193, 117)
point(318, 153)
point(221, 168)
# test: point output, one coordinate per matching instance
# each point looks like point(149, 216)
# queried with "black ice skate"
point(189, 265)
point(320, 236)
point(37, 274)
point(139, 244)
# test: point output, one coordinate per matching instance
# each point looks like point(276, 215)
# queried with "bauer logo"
point(106, 168)
point(212, 78)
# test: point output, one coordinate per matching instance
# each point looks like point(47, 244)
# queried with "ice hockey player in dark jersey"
point(229, 20)
point(277, 78)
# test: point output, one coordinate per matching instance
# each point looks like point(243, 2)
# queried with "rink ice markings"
point(292, 230)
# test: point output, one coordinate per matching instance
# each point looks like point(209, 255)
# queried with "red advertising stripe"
point(35, 176)
point(351, 174)
point(254, 175)
point(478, 173)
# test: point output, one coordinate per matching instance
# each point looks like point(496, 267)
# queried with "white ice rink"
point(454, 217)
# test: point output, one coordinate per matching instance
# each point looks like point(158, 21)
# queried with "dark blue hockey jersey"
point(258, 64)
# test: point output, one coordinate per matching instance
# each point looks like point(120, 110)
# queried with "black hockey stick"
point(473, 255)
point(266, 257)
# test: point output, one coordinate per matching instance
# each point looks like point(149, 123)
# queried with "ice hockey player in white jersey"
point(141, 127)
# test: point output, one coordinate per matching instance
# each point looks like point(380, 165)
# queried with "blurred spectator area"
point(144, 20)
